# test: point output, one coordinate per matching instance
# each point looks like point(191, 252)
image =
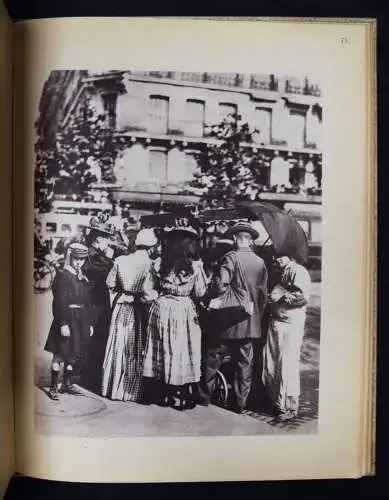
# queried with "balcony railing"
point(254, 81)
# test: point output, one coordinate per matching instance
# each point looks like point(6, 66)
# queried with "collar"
point(81, 276)
point(290, 265)
point(142, 251)
point(95, 247)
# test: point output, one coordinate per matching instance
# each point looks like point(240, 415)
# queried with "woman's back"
point(178, 283)
point(129, 272)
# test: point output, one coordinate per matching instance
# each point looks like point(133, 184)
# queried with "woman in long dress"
point(97, 267)
point(173, 349)
point(281, 363)
point(122, 367)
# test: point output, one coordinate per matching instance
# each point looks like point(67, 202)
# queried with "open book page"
point(153, 172)
point(6, 393)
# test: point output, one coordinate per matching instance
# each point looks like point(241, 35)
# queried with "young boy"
point(72, 325)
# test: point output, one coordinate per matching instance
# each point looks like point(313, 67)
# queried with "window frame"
point(188, 121)
point(164, 151)
point(269, 110)
point(222, 104)
point(162, 98)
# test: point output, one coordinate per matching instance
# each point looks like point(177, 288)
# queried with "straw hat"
point(182, 226)
point(243, 227)
point(224, 241)
point(78, 250)
point(188, 230)
point(98, 227)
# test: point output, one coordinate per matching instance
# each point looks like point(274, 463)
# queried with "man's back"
point(254, 280)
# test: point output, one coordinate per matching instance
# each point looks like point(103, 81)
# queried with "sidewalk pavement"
point(88, 415)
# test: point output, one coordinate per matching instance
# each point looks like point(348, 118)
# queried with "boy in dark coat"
point(72, 325)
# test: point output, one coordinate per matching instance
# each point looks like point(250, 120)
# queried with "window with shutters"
point(109, 103)
point(296, 129)
point(316, 233)
point(305, 225)
point(227, 109)
point(66, 228)
point(158, 114)
point(194, 119)
point(262, 122)
point(191, 165)
point(157, 165)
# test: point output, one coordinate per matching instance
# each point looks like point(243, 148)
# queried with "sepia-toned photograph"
point(177, 254)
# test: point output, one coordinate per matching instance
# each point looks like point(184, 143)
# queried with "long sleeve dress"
point(96, 268)
point(122, 367)
point(173, 348)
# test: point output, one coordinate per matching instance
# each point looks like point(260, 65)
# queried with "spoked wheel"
point(43, 276)
point(220, 394)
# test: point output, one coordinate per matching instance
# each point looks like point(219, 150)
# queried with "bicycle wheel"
point(220, 395)
point(43, 276)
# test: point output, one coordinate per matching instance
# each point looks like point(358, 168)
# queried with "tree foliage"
point(231, 167)
point(82, 153)
point(235, 166)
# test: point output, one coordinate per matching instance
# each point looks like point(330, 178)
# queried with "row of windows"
point(194, 121)
point(294, 130)
point(194, 115)
point(157, 165)
point(52, 227)
point(160, 169)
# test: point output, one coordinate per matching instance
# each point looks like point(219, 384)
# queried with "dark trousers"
point(242, 355)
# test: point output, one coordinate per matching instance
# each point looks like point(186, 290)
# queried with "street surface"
point(88, 415)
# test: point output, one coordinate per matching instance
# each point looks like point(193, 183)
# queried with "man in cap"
point(288, 301)
point(72, 324)
point(97, 267)
point(238, 339)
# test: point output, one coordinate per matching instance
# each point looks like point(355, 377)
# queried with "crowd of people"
point(138, 326)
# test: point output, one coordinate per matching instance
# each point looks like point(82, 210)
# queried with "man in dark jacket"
point(246, 270)
point(96, 269)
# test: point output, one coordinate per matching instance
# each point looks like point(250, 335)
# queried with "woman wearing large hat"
point(97, 267)
point(173, 348)
point(71, 329)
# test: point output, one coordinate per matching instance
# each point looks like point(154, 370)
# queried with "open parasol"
point(286, 234)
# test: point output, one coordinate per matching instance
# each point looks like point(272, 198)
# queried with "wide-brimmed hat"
point(243, 227)
point(78, 250)
point(189, 230)
point(224, 241)
point(146, 238)
point(103, 228)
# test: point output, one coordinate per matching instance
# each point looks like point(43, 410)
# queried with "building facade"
point(165, 119)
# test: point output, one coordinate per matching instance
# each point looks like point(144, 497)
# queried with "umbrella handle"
point(268, 239)
point(265, 242)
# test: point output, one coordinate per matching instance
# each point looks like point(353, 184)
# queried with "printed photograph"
point(177, 254)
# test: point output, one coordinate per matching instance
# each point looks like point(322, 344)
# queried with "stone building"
point(164, 120)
